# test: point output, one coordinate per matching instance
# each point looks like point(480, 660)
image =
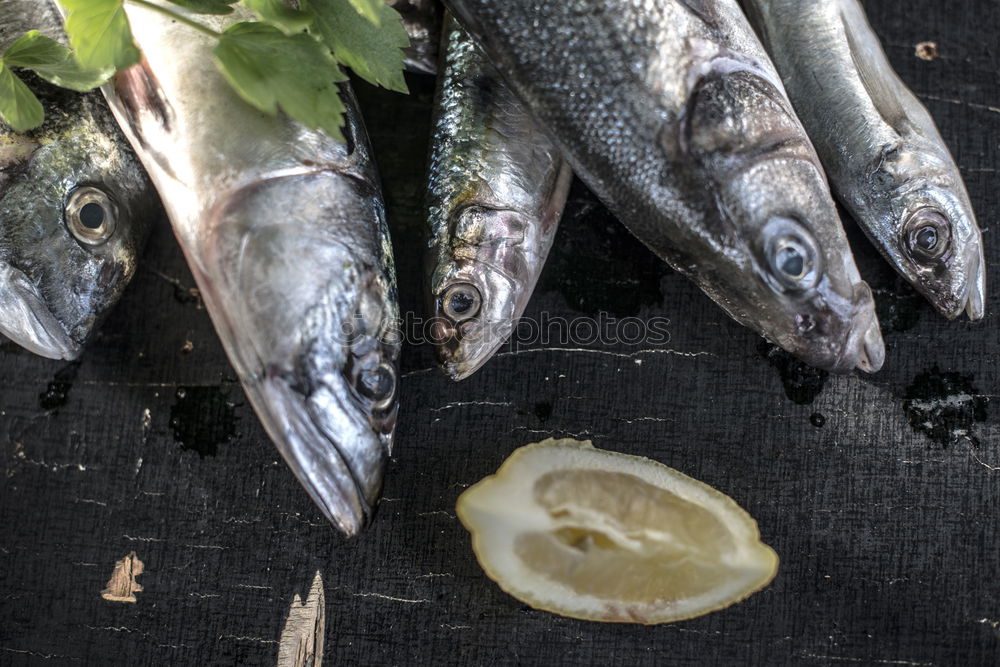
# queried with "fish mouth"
point(974, 302)
point(346, 488)
point(464, 349)
point(952, 296)
point(26, 320)
point(975, 305)
point(864, 348)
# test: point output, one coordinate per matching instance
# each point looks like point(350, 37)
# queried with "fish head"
point(820, 309)
point(305, 305)
point(804, 291)
point(784, 266)
point(70, 200)
point(933, 240)
point(479, 288)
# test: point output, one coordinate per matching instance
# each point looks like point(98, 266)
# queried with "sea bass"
point(672, 113)
point(285, 233)
point(496, 190)
point(880, 146)
point(76, 209)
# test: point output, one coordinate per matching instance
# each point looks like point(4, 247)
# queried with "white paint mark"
point(432, 575)
point(389, 597)
point(661, 420)
point(462, 404)
point(245, 638)
point(205, 546)
point(984, 463)
point(608, 353)
point(91, 501)
point(875, 661)
point(302, 637)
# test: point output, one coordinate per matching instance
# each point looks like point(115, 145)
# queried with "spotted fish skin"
point(673, 114)
point(883, 153)
point(284, 230)
point(496, 189)
point(76, 209)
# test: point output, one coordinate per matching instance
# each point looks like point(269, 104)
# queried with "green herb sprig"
point(288, 59)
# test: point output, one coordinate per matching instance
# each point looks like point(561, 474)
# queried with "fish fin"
point(873, 69)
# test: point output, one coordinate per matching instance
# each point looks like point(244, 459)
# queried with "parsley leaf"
point(53, 62)
point(99, 33)
point(19, 107)
point(370, 9)
point(278, 14)
point(217, 7)
point(373, 52)
point(270, 69)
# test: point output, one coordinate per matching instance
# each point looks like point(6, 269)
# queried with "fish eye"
point(377, 384)
point(791, 261)
point(91, 216)
point(461, 302)
point(926, 236)
point(792, 255)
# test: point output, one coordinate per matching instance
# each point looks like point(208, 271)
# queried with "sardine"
point(496, 190)
point(285, 233)
point(672, 113)
point(76, 209)
point(422, 21)
point(883, 153)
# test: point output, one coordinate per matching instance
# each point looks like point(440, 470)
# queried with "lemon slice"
point(601, 536)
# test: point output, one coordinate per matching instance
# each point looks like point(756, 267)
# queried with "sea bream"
point(496, 189)
point(672, 113)
point(76, 208)
point(880, 146)
point(284, 230)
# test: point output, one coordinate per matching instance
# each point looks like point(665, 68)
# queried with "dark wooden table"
point(881, 494)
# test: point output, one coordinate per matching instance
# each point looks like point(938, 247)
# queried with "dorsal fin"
point(870, 63)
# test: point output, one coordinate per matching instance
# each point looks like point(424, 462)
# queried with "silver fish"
point(496, 189)
point(422, 21)
point(673, 114)
point(880, 146)
point(76, 209)
point(285, 233)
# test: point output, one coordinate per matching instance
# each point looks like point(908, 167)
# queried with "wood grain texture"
point(885, 516)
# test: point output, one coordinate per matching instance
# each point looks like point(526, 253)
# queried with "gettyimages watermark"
point(544, 330)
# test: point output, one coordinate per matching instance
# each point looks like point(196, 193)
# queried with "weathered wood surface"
point(885, 516)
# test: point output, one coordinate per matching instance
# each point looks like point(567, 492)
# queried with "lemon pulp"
point(597, 535)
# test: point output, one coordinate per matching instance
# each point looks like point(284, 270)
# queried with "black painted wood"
point(880, 494)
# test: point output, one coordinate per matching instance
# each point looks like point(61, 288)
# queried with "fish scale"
point(624, 87)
